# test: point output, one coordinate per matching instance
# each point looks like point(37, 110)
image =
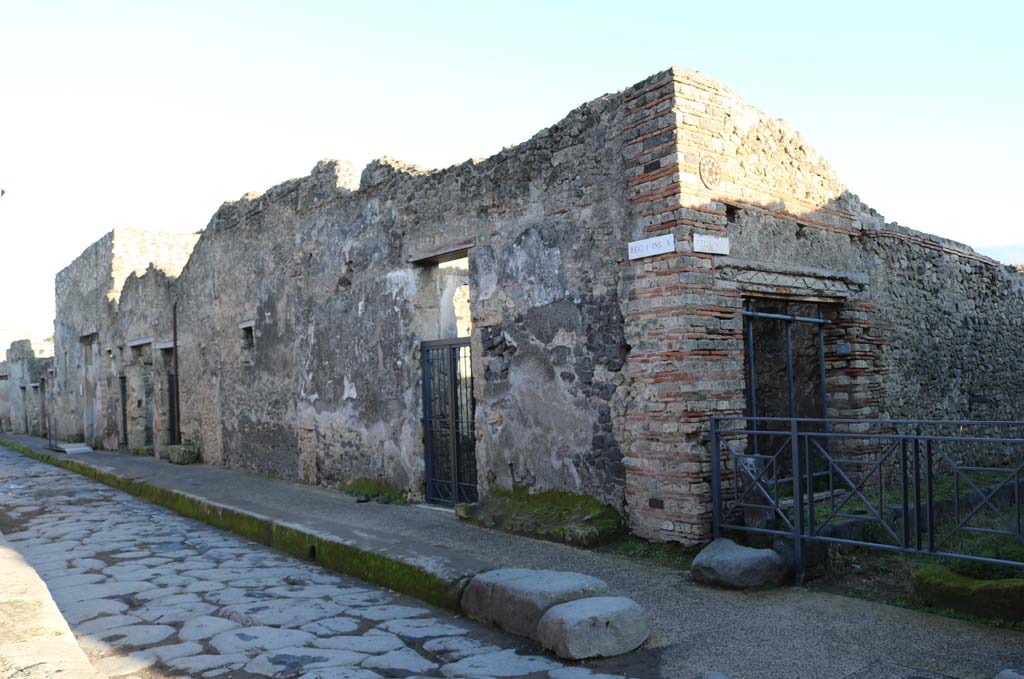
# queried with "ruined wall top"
point(767, 163)
point(106, 264)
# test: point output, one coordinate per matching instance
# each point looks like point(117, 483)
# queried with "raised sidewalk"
point(784, 633)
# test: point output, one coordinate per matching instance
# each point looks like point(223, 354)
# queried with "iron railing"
point(911, 486)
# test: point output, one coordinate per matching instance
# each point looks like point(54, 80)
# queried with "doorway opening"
point(123, 384)
point(89, 373)
point(449, 435)
point(786, 377)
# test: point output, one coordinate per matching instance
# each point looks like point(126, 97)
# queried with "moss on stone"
point(555, 515)
point(372, 488)
point(940, 587)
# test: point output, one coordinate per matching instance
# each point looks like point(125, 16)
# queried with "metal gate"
point(448, 435)
point(785, 399)
point(172, 407)
point(123, 385)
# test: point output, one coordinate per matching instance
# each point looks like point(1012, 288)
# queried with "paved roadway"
point(152, 595)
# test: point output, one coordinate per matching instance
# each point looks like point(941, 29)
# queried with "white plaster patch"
point(401, 284)
point(350, 390)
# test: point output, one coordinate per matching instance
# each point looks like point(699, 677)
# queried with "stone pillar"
point(686, 360)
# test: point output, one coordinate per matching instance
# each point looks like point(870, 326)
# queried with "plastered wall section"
point(323, 268)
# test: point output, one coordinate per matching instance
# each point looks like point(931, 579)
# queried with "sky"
point(150, 114)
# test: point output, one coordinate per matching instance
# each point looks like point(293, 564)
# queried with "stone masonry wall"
point(922, 327)
point(5, 397)
point(322, 267)
point(28, 378)
point(91, 335)
point(301, 310)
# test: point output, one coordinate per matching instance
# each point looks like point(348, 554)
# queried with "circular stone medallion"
point(710, 174)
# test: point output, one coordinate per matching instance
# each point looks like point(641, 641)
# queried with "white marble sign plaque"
point(714, 245)
point(649, 247)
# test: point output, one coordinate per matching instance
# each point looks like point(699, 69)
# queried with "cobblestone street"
point(153, 595)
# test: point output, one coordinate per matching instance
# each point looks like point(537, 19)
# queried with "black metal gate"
point(172, 405)
point(448, 434)
point(123, 384)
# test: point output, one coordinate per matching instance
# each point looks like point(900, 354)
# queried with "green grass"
point(555, 515)
point(372, 488)
point(940, 587)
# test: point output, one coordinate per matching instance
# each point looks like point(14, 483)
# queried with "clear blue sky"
point(145, 114)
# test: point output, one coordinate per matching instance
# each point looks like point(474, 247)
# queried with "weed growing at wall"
point(555, 515)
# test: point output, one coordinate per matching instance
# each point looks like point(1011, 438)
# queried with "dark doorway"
point(147, 395)
point(448, 432)
point(24, 408)
point(123, 381)
point(172, 408)
point(785, 376)
point(785, 358)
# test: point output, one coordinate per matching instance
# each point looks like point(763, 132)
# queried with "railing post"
point(931, 499)
point(716, 482)
point(917, 490)
point(798, 504)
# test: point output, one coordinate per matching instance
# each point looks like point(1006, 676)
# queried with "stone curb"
point(327, 550)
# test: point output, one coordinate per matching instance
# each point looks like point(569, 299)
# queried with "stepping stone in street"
point(516, 598)
point(596, 627)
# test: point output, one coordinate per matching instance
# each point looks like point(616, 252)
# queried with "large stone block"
point(723, 563)
point(596, 627)
point(182, 454)
point(516, 598)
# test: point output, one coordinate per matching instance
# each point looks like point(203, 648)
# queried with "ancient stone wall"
point(92, 337)
point(5, 397)
point(82, 290)
point(28, 378)
point(334, 279)
point(921, 327)
point(301, 310)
